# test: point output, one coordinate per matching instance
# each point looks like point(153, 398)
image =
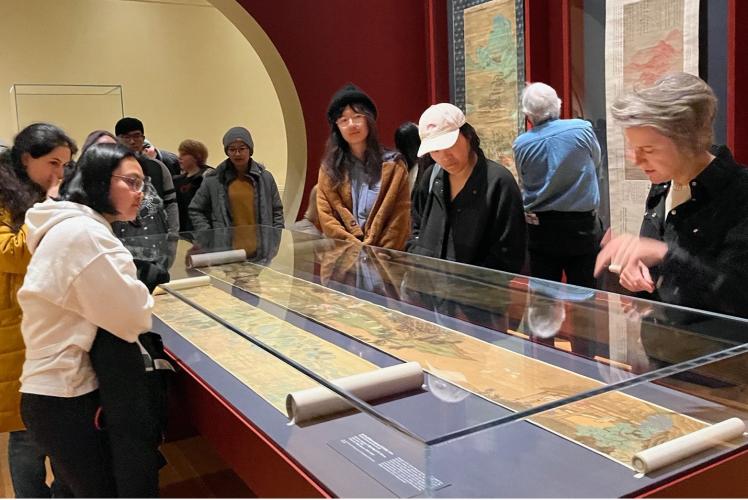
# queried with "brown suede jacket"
point(388, 225)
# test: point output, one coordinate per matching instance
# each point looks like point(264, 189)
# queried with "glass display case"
point(523, 384)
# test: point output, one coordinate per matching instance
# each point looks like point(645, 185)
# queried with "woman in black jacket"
point(692, 249)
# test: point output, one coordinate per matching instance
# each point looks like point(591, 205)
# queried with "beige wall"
point(185, 70)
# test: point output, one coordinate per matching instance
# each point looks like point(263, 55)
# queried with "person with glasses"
point(131, 133)
point(151, 237)
point(239, 192)
point(363, 194)
point(29, 171)
point(64, 306)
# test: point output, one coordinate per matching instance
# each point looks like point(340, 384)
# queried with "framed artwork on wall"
point(487, 70)
point(644, 41)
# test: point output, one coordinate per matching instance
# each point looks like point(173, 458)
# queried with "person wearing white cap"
point(466, 208)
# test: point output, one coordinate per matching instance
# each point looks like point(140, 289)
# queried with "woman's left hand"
point(636, 278)
point(631, 256)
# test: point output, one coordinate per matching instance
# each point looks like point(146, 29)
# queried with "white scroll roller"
point(217, 258)
point(677, 449)
point(183, 284)
point(320, 401)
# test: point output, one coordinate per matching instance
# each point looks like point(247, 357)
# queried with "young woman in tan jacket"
point(363, 194)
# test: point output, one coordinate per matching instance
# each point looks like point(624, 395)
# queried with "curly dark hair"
point(18, 192)
point(338, 157)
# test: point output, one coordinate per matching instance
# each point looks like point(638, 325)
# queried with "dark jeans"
point(578, 268)
point(565, 242)
point(64, 430)
point(27, 471)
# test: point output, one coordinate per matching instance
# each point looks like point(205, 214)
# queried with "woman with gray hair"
point(693, 244)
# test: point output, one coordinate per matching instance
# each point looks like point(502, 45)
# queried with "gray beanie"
point(238, 134)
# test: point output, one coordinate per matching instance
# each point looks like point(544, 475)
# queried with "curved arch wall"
point(185, 70)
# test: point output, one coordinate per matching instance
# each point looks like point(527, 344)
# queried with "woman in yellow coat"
point(28, 171)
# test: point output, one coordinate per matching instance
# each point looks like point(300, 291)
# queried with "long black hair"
point(18, 192)
point(407, 142)
point(91, 181)
point(338, 157)
point(91, 139)
point(471, 135)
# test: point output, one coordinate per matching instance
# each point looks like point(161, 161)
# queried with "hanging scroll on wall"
point(644, 40)
point(487, 68)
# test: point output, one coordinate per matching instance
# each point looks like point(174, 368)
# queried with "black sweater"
point(484, 225)
point(706, 266)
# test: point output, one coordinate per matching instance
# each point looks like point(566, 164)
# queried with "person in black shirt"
point(192, 157)
point(692, 249)
point(466, 208)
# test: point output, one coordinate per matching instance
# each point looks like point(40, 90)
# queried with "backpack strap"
point(434, 172)
point(153, 361)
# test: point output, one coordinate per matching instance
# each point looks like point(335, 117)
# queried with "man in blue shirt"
point(557, 162)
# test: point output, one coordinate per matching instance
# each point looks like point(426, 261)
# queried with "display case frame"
point(229, 412)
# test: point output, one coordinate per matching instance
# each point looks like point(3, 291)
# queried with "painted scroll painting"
point(645, 40)
point(652, 48)
point(613, 424)
point(491, 92)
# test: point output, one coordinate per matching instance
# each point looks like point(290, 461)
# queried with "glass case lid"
point(498, 346)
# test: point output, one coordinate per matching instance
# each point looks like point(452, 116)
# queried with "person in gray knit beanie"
point(239, 192)
point(238, 134)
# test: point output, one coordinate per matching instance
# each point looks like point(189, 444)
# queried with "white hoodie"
point(80, 277)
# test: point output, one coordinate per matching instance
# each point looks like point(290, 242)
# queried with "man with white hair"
point(557, 162)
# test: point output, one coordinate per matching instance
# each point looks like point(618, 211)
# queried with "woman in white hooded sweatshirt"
point(80, 278)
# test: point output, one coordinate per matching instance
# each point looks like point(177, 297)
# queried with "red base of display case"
point(266, 470)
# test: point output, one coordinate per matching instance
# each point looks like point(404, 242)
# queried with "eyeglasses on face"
point(346, 121)
point(238, 151)
point(132, 136)
point(136, 184)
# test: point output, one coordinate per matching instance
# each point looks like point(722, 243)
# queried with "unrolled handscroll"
point(677, 449)
point(217, 258)
point(183, 284)
point(320, 401)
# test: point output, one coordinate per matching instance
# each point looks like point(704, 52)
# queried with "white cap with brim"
point(439, 127)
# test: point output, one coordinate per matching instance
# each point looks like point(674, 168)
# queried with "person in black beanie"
point(363, 194)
